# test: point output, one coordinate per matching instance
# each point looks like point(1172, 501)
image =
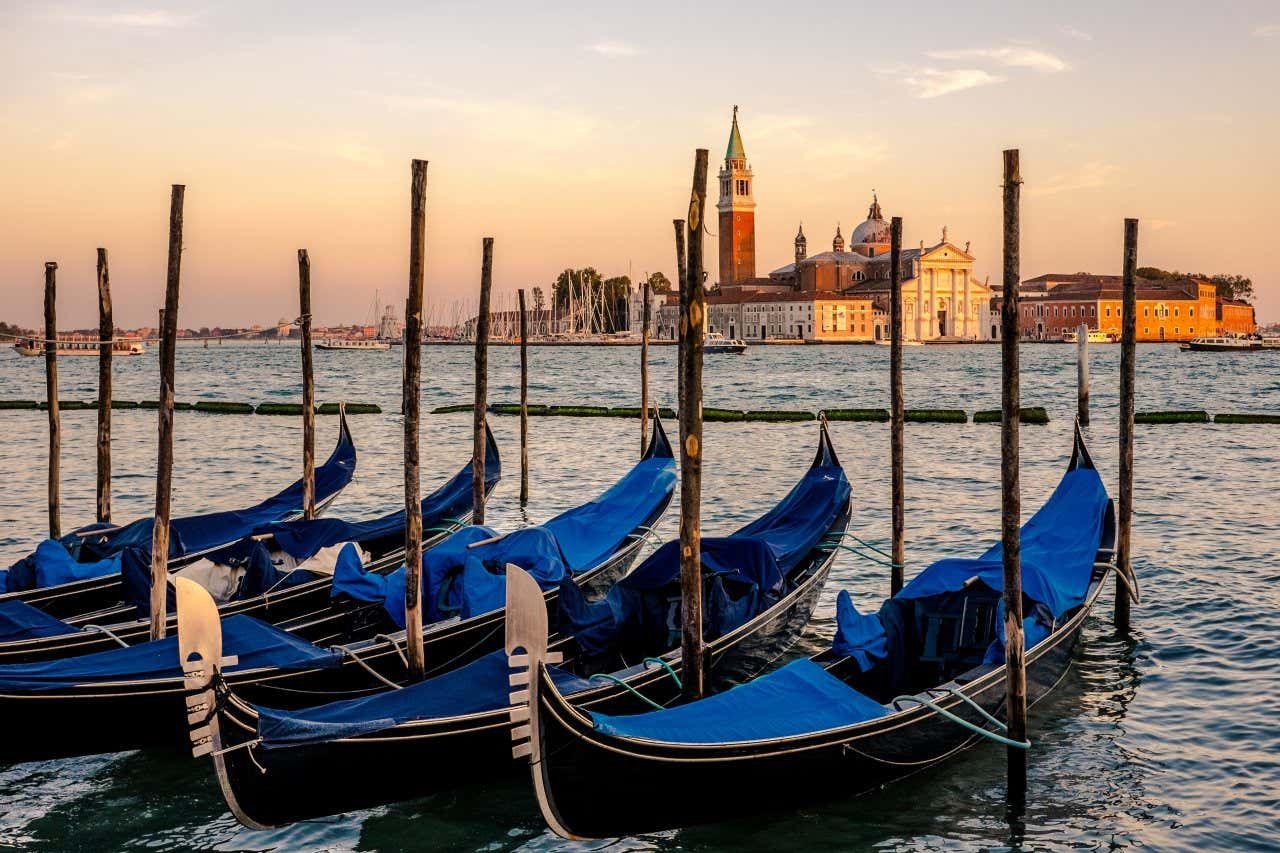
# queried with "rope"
point(852, 550)
point(604, 676)
point(979, 730)
point(107, 632)
point(248, 744)
point(664, 665)
point(1131, 584)
point(869, 545)
point(346, 650)
point(395, 643)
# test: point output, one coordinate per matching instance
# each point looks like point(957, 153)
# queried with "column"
point(968, 308)
point(919, 302)
point(951, 315)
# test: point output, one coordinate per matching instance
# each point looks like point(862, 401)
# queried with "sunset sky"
point(567, 133)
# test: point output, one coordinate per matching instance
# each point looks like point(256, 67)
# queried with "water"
point(1166, 739)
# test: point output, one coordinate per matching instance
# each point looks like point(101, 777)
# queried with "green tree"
point(659, 283)
point(1230, 286)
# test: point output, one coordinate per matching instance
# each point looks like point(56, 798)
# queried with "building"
point(1167, 309)
point(737, 211)
point(843, 294)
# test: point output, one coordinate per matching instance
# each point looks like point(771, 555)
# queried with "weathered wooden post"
point(682, 262)
point(897, 412)
point(1082, 373)
point(308, 388)
point(482, 384)
point(524, 402)
point(644, 368)
point(411, 404)
point(106, 335)
point(164, 454)
point(692, 307)
point(1011, 487)
point(1128, 371)
point(51, 398)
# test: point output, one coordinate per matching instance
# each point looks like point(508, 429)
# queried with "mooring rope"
point(659, 662)
point(106, 631)
point(346, 650)
point(605, 676)
point(976, 729)
point(852, 550)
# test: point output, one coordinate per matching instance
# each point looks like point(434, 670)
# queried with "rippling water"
point(1168, 738)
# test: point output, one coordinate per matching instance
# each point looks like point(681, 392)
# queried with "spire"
point(800, 238)
point(837, 245)
point(735, 151)
point(874, 211)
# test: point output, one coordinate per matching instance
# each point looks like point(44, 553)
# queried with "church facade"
point(843, 294)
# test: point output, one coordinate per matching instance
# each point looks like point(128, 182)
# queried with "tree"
point(659, 283)
point(1230, 286)
point(539, 301)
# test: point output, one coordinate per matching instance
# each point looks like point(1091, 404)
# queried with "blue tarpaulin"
point(797, 699)
point(641, 613)
point(479, 686)
point(463, 581)
point(256, 643)
point(196, 534)
point(21, 621)
point(1058, 547)
point(303, 539)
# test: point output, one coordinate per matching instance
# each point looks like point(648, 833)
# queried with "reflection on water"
point(1165, 738)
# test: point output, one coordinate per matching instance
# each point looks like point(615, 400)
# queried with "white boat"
point(885, 342)
point(1271, 341)
point(1221, 344)
point(1096, 336)
point(32, 347)
point(717, 342)
point(352, 344)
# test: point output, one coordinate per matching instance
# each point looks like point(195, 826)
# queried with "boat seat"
point(957, 628)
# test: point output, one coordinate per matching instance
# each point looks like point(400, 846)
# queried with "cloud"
point(1267, 31)
point(142, 19)
point(1077, 34)
point(1089, 176)
point(928, 82)
point(613, 49)
point(1013, 57)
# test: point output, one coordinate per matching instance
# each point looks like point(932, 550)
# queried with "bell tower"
point(737, 209)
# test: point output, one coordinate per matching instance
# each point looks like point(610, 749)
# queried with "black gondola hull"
point(652, 786)
point(272, 787)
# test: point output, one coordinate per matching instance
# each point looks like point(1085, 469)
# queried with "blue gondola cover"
point(303, 539)
point(797, 699)
point(192, 534)
point(255, 643)
point(21, 621)
point(471, 689)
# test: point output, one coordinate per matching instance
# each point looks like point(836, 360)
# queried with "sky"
point(567, 132)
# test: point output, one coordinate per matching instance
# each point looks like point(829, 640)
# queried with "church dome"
point(874, 231)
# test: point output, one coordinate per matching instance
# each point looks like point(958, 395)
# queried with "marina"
point(756, 546)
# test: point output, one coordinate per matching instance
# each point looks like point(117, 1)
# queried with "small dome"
point(875, 230)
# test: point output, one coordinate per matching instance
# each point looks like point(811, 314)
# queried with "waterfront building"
point(843, 294)
point(1167, 309)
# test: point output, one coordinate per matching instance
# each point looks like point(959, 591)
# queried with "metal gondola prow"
point(526, 646)
point(200, 656)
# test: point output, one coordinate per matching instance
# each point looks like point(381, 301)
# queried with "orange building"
point(1168, 309)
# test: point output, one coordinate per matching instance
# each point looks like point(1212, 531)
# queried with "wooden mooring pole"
point(692, 309)
point(1082, 374)
point(106, 332)
point(682, 262)
point(1128, 371)
point(164, 453)
point(482, 384)
point(524, 402)
point(644, 368)
point(51, 398)
point(1011, 487)
point(411, 405)
point(897, 411)
point(308, 388)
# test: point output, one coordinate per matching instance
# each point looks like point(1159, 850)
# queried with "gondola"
point(762, 583)
point(283, 573)
point(80, 573)
point(881, 704)
point(129, 698)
